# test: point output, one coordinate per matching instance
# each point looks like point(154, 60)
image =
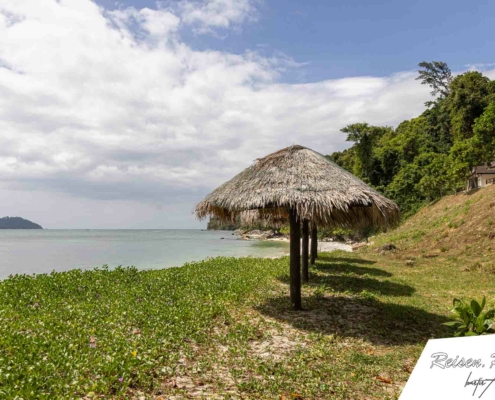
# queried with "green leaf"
point(475, 306)
point(483, 302)
point(471, 333)
point(451, 323)
point(465, 316)
point(480, 323)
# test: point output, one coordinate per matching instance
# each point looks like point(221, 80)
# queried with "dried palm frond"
point(300, 178)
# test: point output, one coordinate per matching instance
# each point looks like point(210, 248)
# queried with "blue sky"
point(125, 115)
point(358, 37)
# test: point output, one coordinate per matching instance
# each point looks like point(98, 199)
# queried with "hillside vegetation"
point(430, 156)
point(456, 226)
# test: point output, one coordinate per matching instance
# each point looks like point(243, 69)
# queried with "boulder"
point(357, 246)
point(261, 235)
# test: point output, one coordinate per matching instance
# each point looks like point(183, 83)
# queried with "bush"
point(471, 320)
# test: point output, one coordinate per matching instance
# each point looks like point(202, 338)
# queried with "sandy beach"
point(322, 246)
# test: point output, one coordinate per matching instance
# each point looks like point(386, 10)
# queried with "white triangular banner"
point(454, 369)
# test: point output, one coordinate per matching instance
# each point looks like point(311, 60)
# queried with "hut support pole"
point(295, 259)
point(305, 251)
point(314, 243)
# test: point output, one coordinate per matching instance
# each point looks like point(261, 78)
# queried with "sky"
point(126, 114)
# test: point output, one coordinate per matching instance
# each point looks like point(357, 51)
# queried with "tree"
point(484, 134)
point(390, 162)
point(465, 155)
point(470, 93)
point(344, 159)
point(438, 178)
point(365, 137)
point(438, 122)
point(403, 189)
point(412, 138)
point(437, 75)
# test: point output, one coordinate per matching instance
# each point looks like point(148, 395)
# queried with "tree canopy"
point(437, 75)
point(429, 156)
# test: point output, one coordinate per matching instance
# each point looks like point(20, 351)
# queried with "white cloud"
point(103, 106)
point(205, 15)
point(156, 23)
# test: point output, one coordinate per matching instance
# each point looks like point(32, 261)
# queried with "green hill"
point(17, 223)
point(461, 226)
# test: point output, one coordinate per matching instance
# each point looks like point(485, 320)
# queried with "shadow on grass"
point(368, 319)
point(473, 191)
point(354, 284)
point(340, 267)
point(326, 257)
point(364, 316)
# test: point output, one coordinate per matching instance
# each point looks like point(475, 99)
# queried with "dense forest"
point(429, 156)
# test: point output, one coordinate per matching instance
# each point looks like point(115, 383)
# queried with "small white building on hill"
point(482, 176)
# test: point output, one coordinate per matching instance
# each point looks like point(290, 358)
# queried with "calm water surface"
point(40, 251)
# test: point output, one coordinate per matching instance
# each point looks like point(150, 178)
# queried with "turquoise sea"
point(42, 251)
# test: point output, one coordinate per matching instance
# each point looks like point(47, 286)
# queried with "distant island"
point(17, 223)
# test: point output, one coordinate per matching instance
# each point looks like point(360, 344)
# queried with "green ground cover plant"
point(72, 333)
point(223, 328)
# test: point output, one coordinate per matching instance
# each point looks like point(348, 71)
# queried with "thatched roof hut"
point(300, 178)
point(299, 184)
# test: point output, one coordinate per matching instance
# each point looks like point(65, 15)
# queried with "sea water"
point(43, 251)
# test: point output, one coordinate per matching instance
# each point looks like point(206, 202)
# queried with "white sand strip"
point(323, 246)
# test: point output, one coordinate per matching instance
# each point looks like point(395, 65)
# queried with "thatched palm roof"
point(300, 178)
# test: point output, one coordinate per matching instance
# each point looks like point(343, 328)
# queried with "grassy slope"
point(458, 225)
point(223, 328)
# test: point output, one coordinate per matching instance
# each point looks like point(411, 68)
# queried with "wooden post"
point(295, 259)
point(305, 251)
point(314, 243)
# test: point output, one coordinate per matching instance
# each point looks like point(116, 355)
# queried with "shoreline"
point(322, 246)
point(272, 236)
